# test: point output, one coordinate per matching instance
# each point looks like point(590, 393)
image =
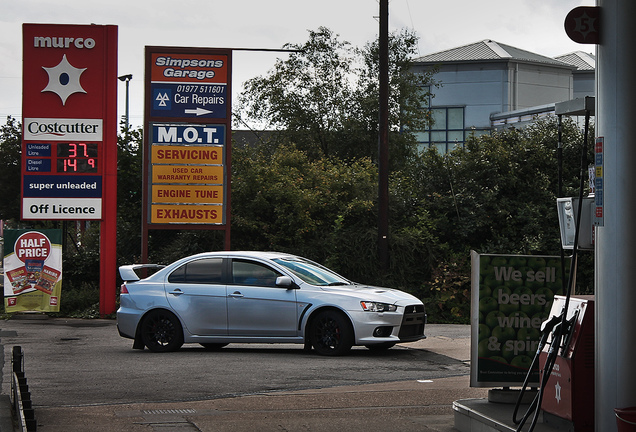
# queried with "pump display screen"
point(77, 158)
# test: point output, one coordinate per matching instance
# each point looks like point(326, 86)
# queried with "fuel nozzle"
point(548, 325)
point(568, 331)
point(547, 328)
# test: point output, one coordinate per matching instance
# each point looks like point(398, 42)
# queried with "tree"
point(324, 97)
point(408, 99)
point(498, 194)
point(325, 209)
point(287, 201)
point(129, 194)
point(10, 173)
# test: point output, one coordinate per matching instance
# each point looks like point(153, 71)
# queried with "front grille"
point(413, 323)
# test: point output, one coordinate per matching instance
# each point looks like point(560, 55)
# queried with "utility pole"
point(383, 129)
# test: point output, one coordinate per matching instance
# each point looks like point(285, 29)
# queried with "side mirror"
point(285, 282)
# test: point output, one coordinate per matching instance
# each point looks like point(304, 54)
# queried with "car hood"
point(372, 293)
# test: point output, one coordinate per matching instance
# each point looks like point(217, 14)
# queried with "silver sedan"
point(217, 298)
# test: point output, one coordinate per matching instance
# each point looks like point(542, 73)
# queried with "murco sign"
point(69, 92)
point(69, 138)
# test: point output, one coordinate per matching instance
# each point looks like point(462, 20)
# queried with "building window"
point(447, 131)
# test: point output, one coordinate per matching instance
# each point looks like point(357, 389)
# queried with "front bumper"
point(413, 323)
point(390, 327)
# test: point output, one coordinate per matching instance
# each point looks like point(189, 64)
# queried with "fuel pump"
point(566, 350)
point(568, 396)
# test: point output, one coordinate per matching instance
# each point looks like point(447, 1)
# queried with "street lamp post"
point(126, 79)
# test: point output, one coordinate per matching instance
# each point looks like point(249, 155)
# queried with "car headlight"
point(377, 307)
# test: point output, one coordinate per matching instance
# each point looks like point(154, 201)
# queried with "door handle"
point(176, 292)
point(236, 294)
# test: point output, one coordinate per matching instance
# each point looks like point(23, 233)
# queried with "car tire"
point(331, 333)
point(161, 331)
point(381, 346)
point(213, 346)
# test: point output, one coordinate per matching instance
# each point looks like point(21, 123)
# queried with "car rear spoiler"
point(128, 273)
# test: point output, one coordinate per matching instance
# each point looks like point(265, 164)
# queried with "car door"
point(196, 292)
point(255, 305)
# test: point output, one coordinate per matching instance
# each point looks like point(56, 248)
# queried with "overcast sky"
point(534, 25)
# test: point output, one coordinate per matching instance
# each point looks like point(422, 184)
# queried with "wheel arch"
point(138, 342)
point(314, 313)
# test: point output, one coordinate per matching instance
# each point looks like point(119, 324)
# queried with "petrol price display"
point(77, 158)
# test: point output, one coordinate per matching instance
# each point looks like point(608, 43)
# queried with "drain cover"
point(170, 411)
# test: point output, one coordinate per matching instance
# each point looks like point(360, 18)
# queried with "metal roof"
point(583, 61)
point(487, 49)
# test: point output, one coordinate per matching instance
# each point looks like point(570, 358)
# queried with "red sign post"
point(69, 132)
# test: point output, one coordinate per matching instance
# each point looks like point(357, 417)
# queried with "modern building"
point(583, 75)
point(488, 85)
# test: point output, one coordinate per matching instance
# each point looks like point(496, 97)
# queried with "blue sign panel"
point(38, 150)
point(62, 186)
point(163, 133)
point(38, 165)
point(189, 100)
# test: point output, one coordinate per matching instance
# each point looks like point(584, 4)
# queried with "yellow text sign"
point(187, 174)
point(186, 214)
point(171, 154)
point(191, 194)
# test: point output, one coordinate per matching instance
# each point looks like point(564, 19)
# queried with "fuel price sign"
point(69, 111)
point(63, 158)
point(63, 179)
point(77, 158)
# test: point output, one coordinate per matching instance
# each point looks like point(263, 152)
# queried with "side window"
point(207, 270)
point(254, 274)
point(178, 276)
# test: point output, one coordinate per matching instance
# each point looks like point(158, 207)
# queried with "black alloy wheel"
point(331, 333)
point(161, 331)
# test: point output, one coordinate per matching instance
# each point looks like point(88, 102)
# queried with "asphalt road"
point(79, 363)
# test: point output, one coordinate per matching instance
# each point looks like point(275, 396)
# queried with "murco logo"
point(64, 79)
point(62, 42)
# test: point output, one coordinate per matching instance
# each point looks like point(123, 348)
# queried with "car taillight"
point(123, 289)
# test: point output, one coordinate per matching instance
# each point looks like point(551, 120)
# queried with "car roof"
point(248, 254)
point(129, 272)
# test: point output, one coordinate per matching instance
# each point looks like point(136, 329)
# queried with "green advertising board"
point(32, 270)
point(511, 297)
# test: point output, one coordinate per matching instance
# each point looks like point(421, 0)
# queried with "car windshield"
point(311, 272)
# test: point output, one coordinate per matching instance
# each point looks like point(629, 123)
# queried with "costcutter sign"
point(189, 85)
point(68, 97)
